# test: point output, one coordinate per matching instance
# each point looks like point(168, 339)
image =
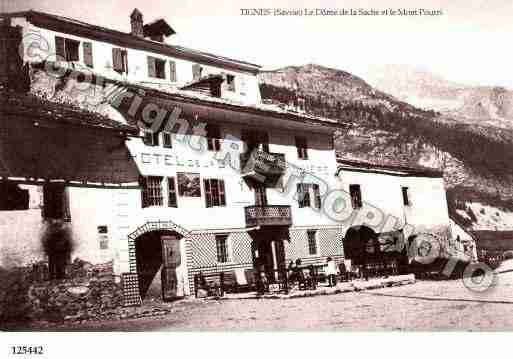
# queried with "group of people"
point(299, 273)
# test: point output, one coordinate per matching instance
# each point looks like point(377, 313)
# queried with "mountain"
point(482, 105)
point(475, 152)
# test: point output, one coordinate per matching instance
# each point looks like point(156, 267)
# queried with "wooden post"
point(275, 261)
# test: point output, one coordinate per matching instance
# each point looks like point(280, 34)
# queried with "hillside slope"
point(482, 105)
point(476, 159)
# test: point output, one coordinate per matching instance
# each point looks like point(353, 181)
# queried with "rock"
point(78, 290)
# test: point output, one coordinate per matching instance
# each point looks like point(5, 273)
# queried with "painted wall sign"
point(189, 184)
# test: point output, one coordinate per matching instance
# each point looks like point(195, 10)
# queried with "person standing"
point(331, 272)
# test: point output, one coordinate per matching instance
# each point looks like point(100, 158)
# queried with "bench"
point(212, 283)
point(219, 283)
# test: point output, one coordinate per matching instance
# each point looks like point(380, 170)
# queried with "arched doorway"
point(360, 244)
point(156, 253)
point(158, 258)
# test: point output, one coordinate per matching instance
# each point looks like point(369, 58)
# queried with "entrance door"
point(260, 195)
point(268, 254)
point(171, 259)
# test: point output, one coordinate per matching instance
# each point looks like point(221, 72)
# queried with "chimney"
point(136, 22)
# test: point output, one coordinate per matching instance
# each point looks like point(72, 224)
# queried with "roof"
point(80, 28)
point(171, 92)
point(392, 170)
point(41, 141)
point(35, 107)
point(209, 80)
point(200, 98)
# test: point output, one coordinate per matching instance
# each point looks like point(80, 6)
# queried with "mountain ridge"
point(476, 157)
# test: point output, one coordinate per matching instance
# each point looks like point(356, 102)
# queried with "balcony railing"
point(268, 216)
point(263, 163)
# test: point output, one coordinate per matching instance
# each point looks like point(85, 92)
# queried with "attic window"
point(156, 68)
point(230, 82)
point(66, 49)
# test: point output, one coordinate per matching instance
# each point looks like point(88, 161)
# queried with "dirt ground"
point(425, 305)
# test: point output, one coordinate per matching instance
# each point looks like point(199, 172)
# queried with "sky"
point(470, 43)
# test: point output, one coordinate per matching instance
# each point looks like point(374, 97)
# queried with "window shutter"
point(124, 61)
point(224, 84)
point(300, 195)
point(214, 192)
point(142, 182)
point(222, 197)
point(172, 192)
point(152, 72)
point(208, 193)
point(65, 204)
point(117, 59)
point(60, 50)
point(88, 54)
point(172, 71)
point(317, 196)
point(196, 72)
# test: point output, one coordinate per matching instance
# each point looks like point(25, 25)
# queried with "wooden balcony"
point(260, 163)
point(268, 216)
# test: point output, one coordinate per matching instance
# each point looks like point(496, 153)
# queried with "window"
point(312, 242)
point(88, 54)
point(151, 138)
point(171, 190)
point(66, 49)
point(151, 191)
point(406, 196)
point(172, 71)
point(303, 195)
point(256, 140)
point(230, 83)
point(260, 195)
point(58, 244)
point(214, 192)
point(243, 88)
point(156, 68)
point(12, 197)
point(167, 140)
point(309, 195)
point(119, 60)
point(213, 138)
point(196, 72)
point(355, 193)
point(317, 196)
point(56, 202)
point(189, 184)
point(222, 248)
point(302, 148)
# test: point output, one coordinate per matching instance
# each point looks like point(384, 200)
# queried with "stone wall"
point(88, 292)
